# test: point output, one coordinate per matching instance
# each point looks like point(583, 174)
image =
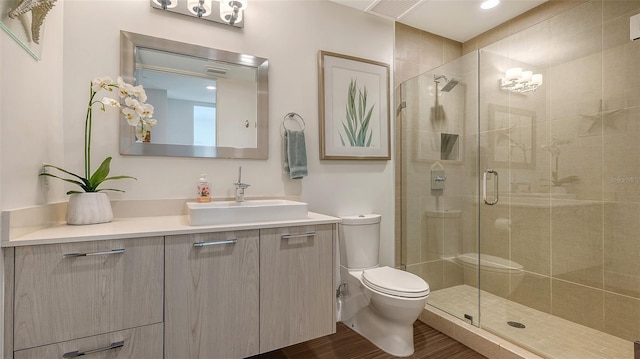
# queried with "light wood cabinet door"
point(73, 290)
point(296, 285)
point(138, 343)
point(211, 297)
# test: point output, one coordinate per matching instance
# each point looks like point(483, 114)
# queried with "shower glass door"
point(440, 184)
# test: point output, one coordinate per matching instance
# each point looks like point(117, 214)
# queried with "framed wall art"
point(354, 108)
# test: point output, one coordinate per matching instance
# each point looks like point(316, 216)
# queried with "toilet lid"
point(395, 282)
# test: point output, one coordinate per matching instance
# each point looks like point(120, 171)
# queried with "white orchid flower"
point(139, 92)
point(101, 83)
point(134, 104)
point(149, 122)
point(147, 110)
point(131, 116)
point(110, 102)
point(126, 90)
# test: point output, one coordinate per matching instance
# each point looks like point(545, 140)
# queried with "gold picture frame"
point(354, 108)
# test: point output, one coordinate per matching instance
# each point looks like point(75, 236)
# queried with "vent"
point(393, 8)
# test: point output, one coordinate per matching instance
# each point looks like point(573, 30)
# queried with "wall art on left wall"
point(24, 20)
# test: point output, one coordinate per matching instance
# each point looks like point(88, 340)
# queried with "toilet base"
point(391, 337)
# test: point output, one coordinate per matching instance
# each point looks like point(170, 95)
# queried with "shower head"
point(449, 85)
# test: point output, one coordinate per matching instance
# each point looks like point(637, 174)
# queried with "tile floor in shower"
point(545, 334)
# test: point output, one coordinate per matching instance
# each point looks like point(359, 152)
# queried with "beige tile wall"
point(416, 51)
point(581, 262)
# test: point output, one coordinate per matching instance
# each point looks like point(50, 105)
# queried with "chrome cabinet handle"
point(79, 353)
point(102, 253)
point(495, 187)
point(289, 236)
point(205, 244)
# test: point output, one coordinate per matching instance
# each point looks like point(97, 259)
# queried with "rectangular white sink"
point(230, 212)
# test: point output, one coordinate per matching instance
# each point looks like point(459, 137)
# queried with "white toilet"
point(379, 303)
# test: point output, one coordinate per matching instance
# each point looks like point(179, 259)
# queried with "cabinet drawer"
point(297, 293)
point(73, 290)
point(211, 295)
point(138, 343)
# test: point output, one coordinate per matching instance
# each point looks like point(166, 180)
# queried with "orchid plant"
point(135, 111)
point(554, 149)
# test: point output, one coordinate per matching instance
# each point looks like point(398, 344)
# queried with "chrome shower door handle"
point(495, 187)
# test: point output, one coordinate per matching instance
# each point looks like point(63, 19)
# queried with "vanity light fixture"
point(519, 81)
point(222, 11)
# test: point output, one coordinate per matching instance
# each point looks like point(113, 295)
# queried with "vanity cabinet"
point(140, 342)
point(78, 290)
point(297, 293)
point(240, 293)
point(212, 295)
point(229, 293)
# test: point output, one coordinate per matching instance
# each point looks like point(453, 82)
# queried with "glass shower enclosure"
point(520, 184)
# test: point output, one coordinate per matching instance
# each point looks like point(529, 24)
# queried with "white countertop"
point(121, 228)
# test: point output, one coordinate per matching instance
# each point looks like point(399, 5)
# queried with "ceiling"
point(459, 20)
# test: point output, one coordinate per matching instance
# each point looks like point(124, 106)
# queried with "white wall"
point(43, 113)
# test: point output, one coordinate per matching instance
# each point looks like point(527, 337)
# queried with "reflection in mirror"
point(514, 140)
point(448, 146)
point(208, 102)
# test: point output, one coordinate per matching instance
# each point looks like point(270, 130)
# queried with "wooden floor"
point(347, 344)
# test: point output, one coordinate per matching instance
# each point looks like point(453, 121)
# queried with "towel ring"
point(293, 116)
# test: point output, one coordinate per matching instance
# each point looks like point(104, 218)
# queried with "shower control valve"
point(437, 179)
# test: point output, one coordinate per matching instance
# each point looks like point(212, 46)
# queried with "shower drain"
point(516, 325)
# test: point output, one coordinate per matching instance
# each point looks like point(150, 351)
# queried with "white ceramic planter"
point(89, 208)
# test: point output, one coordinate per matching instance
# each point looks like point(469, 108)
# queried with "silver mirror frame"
point(128, 146)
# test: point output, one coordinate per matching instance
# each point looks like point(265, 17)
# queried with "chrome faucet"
point(240, 187)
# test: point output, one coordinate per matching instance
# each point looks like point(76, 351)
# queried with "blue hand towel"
point(295, 154)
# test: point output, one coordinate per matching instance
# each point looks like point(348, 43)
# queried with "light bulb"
point(168, 4)
point(194, 6)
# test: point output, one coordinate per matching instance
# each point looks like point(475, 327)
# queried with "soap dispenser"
point(204, 189)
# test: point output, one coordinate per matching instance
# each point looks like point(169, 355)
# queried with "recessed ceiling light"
point(211, 87)
point(489, 4)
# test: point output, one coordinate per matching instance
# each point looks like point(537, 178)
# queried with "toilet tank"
point(359, 241)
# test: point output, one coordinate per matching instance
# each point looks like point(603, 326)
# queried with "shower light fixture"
point(489, 4)
point(519, 81)
point(223, 11)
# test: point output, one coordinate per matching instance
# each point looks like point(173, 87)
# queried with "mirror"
point(513, 139)
point(208, 102)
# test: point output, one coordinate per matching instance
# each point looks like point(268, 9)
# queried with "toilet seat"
point(395, 282)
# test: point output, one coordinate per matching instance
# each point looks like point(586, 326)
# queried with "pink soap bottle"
point(204, 189)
